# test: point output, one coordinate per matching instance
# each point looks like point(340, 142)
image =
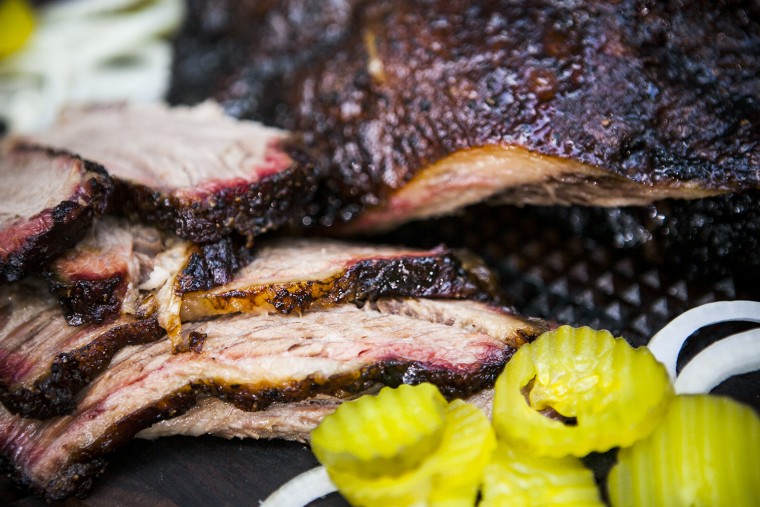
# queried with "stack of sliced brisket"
point(648, 112)
point(143, 293)
point(146, 302)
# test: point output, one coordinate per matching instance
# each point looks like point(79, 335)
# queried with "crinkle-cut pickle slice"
point(603, 392)
point(373, 435)
point(706, 452)
point(517, 478)
point(446, 476)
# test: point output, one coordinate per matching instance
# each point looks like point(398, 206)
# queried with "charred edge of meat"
point(212, 265)
point(70, 220)
point(88, 300)
point(248, 209)
point(445, 277)
point(79, 479)
point(87, 464)
point(524, 74)
point(428, 276)
point(53, 394)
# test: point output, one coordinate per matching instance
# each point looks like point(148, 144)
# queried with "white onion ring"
point(72, 53)
point(733, 355)
point(667, 343)
point(302, 489)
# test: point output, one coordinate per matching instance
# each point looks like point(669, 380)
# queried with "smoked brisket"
point(118, 265)
point(191, 171)
point(44, 361)
point(254, 361)
point(416, 108)
point(292, 275)
point(48, 199)
point(296, 275)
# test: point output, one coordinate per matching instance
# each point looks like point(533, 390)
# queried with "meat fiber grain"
point(48, 199)
point(193, 172)
point(252, 362)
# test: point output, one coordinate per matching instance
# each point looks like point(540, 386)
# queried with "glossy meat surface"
point(587, 102)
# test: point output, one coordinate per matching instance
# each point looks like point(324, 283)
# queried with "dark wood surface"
point(184, 471)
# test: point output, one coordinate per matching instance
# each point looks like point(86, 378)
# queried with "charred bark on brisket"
point(37, 223)
point(44, 362)
point(54, 393)
point(246, 209)
point(293, 275)
point(103, 275)
point(252, 362)
point(213, 264)
point(662, 97)
point(196, 173)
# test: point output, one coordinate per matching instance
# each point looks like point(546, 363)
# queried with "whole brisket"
point(417, 108)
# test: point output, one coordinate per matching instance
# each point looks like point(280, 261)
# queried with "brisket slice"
point(296, 275)
point(100, 276)
point(48, 199)
point(191, 171)
point(118, 264)
point(253, 361)
point(44, 362)
point(419, 107)
point(288, 421)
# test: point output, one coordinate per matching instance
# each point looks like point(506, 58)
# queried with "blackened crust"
point(88, 300)
point(657, 93)
point(54, 393)
point(89, 296)
point(650, 94)
point(248, 209)
point(212, 264)
point(70, 219)
point(86, 465)
point(428, 276)
point(435, 276)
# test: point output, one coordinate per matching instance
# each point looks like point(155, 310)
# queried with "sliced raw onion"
point(733, 355)
point(302, 489)
point(60, 63)
point(667, 343)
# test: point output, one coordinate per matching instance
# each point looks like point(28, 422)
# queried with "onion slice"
point(667, 343)
point(302, 489)
point(733, 355)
